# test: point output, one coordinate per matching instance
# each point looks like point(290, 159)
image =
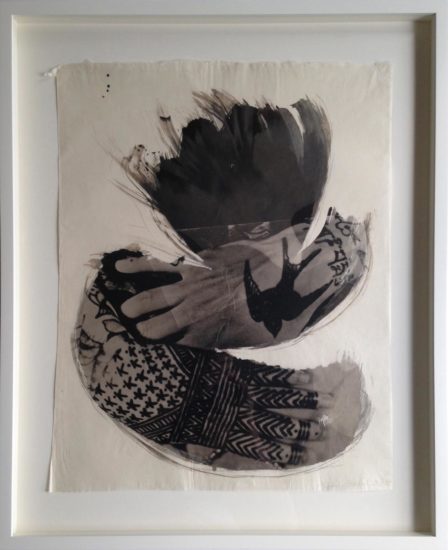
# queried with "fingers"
point(301, 377)
point(285, 398)
point(144, 263)
point(276, 426)
point(150, 301)
point(266, 450)
point(160, 326)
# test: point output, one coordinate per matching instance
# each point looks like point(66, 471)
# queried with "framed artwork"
point(223, 234)
point(230, 234)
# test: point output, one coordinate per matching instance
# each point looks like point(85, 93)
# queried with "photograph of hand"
point(241, 189)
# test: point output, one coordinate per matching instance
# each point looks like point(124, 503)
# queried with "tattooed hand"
point(250, 293)
point(211, 407)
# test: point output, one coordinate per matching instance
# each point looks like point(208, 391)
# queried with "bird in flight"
point(282, 302)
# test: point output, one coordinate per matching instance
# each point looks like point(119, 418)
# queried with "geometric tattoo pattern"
point(176, 395)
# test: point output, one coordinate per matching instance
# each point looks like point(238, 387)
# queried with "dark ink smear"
point(242, 164)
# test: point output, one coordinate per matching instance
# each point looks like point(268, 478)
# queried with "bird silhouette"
point(282, 302)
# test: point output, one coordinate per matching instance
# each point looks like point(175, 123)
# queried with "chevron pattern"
point(266, 375)
point(282, 398)
point(176, 395)
point(157, 429)
point(264, 450)
point(273, 426)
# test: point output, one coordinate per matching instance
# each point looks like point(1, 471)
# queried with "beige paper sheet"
point(104, 110)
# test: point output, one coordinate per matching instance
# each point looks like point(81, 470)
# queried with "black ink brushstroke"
point(259, 165)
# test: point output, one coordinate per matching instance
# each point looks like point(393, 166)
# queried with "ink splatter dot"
point(107, 86)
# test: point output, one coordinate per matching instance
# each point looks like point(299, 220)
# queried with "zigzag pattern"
point(180, 430)
point(184, 357)
point(226, 402)
point(264, 374)
point(192, 418)
point(273, 426)
point(173, 394)
point(202, 393)
point(264, 450)
point(214, 396)
point(157, 428)
point(282, 398)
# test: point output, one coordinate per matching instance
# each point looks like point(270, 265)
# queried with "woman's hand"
point(213, 408)
point(249, 293)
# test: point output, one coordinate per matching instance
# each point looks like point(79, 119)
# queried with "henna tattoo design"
point(177, 396)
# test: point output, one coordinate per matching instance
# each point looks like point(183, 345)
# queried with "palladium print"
point(239, 186)
point(196, 340)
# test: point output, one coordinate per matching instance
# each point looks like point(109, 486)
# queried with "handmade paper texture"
point(224, 276)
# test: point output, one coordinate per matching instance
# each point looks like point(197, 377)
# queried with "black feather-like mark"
point(224, 168)
point(282, 302)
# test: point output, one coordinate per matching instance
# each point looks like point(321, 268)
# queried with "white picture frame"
point(14, 249)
